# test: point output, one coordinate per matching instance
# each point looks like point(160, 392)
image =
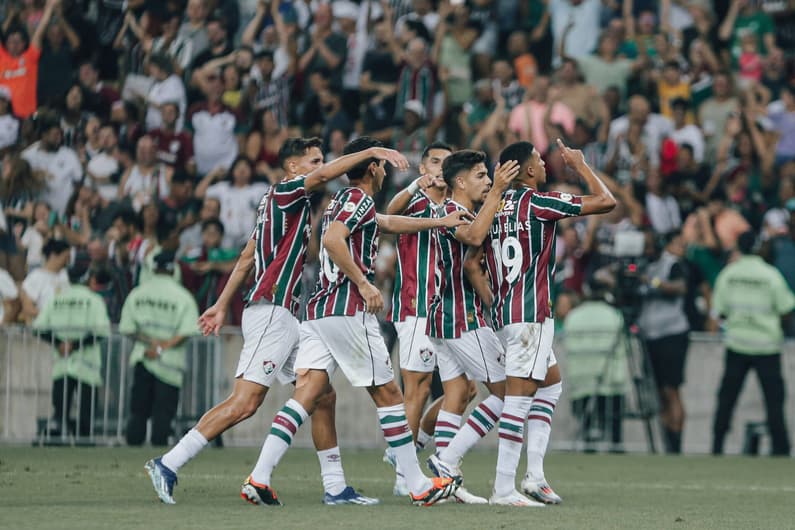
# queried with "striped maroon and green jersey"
point(455, 308)
point(520, 253)
point(280, 237)
point(416, 259)
point(335, 294)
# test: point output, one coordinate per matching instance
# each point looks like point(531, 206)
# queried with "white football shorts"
point(270, 343)
point(416, 351)
point(528, 349)
point(477, 354)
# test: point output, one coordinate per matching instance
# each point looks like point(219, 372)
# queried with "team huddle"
point(471, 299)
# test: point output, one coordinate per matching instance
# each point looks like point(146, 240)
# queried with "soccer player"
point(520, 258)
point(414, 286)
point(341, 330)
point(466, 346)
point(276, 252)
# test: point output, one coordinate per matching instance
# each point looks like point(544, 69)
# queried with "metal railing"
point(35, 381)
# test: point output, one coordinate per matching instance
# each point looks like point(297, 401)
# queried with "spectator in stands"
point(745, 18)
point(32, 240)
point(206, 270)
point(716, 111)
point(174, 147)
point(9, 298)
point(110, 281)
point(417, 78)
point(378, 83)
point(19, 59)
point(215, 128)
point(74, 117)
point(160, 316)
point(575, 26)
point(105, 167)
point(47, 281)
point(582, 99)
point(146, 180)
point(649, 128)
point(74, 321)
point(452, 52)
point(536, 119)
point(662, 207)
point(180, 208)
point(9, 124)
point(59, 164)
point(19, 189)
point(325, 47)
point(752, 297)
point(171, 44)
point(782, 114)
point(57, 61)
point(239, 198)
point(664, 327)
point(191, 237)
point(263, 143)
point(218, 47)
point(193, 32)
point(685, 132)
point(167, 88)
point(99, 96)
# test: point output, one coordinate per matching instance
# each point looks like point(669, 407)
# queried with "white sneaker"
point(540, 490)
point(462, 496)
point(439, 468)
point(515, 499)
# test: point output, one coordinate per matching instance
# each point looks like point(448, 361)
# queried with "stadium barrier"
point(26, 411)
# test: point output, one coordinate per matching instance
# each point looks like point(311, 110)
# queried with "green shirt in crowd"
point(595, 349)
point(160, 309)
point(752, 296)
point(72, 315)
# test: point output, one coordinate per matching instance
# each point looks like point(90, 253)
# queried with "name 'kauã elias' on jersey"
point(335, 294)
point(520, 253)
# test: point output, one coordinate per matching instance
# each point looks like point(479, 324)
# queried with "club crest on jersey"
point(566, 197)
point(426, 355)
point(470, 317)
point(349, 207)
point(268, 367)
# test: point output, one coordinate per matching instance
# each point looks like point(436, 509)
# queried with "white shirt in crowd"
point(40, 285)
point(214, 141)
point(170, 90)
point(663, 213)
point(62, 168)
point(656, 129)
point(238, 209)
point(9, 130)
point(691, 134)
point(8, 291)
point(34, 243)
point(583, 36)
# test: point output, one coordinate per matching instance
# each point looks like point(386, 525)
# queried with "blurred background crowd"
point(132, 126)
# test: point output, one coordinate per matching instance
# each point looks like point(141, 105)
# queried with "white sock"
point(331, 471)
point(447, 426)
point(189, 446)
point(398, 435)
point(285, 425)
point(510, 444)
point(539, 427)
point(423, 439)
point(478, 425)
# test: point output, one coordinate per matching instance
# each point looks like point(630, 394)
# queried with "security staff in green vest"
point(596, 366)
point(73, 322)
point(752, 297)
point(159, 315)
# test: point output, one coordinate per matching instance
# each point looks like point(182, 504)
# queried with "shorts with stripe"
point(352, 343)
point(270, 343)
point(416, 351)
point(477, 354)
point(528, 349)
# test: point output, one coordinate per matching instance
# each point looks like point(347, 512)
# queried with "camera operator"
point(664, 326)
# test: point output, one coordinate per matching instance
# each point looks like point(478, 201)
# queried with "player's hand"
point(425, 182)
point(457, 218)
point(373, 300)
point(504, 174)
point(212, 320)
point(573, 158)
point(391, 156)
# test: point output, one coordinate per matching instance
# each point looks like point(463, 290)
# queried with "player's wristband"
point(414, 187)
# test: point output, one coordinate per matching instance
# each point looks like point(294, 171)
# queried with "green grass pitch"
point(108, 488)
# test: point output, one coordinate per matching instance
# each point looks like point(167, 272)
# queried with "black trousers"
point(768, 370)
point(151, 398)
point(604, 416)
point(63, 403)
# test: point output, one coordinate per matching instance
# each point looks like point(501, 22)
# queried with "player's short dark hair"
point(213, 222)
point(360, 144)
point(54, 246)
point(522, 152)
point(746, 242)
point(101, 275)
point(459, 161)
point(77, 273)
point(435, 145)
point(297, 147)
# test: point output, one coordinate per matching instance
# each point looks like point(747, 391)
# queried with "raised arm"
point(474, 234)
point(600, 199)
point(250, 33)
point(38, 35)
point(343, 164)
point(477, 276)
point(336, 246)
point(400, 202)
point(401, 224)
point(727, 27)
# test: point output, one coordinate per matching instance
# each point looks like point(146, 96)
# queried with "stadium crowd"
point(131, 127)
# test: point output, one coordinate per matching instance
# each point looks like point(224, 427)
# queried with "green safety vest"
point(595, 347)
point(752, 296)
point(161, 309)
point(71, 315)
